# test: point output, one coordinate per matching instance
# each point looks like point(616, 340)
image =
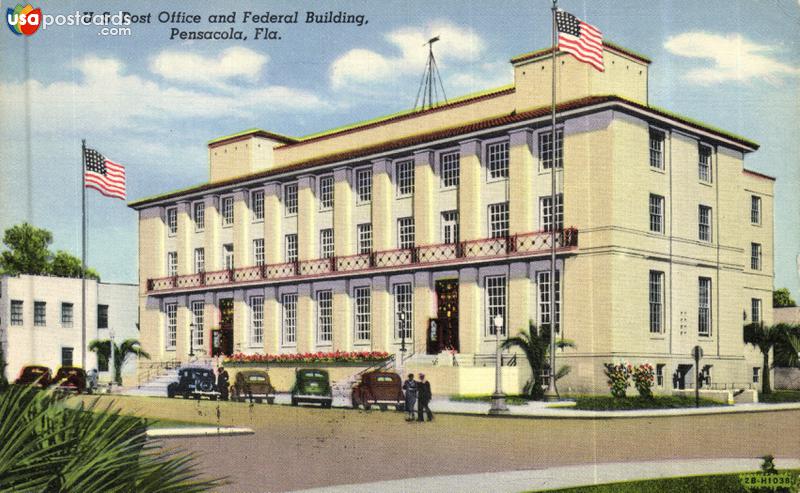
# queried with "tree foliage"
point(121, 353)
point(535, 344)
point(27, 252)
point(64, 264)
point(782, 298)
point(765, 338)
point(3, 364)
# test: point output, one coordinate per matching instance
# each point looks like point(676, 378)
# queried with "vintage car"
point(253, 385)
point(70, 379)
point(313, 386)
point(381, 388)
point(34, 374)
point(194, 382)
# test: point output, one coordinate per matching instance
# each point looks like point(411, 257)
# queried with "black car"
point(194, 382)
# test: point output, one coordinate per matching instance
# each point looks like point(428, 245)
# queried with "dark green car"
point(311, 385)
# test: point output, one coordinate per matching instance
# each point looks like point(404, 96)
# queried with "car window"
point(256, 378)
point(385, 379)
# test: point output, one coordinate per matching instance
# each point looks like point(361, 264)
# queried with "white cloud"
point(232, 63)
point(730, 57)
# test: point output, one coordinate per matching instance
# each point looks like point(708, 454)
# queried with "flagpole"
point(83, 253)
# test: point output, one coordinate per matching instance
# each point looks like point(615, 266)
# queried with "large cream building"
point(664, 239)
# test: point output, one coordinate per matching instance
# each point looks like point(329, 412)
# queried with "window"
point(450, 227)
point(67, 356)
point(756, 374)
point(258, 251)
point(363, 185)
point(16, 312)
point(326, 243)
point(404, 174)
point(172, 263)
point(290, 199)
point(403, 304)
point(326, 192)
point(405, 232)
point(256, 320)
point(363, 316)
point(656, 302)
point(257, 204)
point(227, 211)
point(755, 310)
point(449, 169)
point(495, 303)
point(365, 238)
point(704, 163)
point(199, 260)
point(199, 215)
point(705, 376)
point(546, 148)
point(704, 307)
point(656, 149)
point(656, 213)
point(102, 316)
point(704, 223)
point(39, 313)
point(543, 281)
point(660, 375)
point(227, 256)
point(755, 256)
point(198, 319)
point(497, 160)
point(324, 316)
point(755, 209)
point(172, 221)
point(171, 335)
point(66, 314)
point(547, 212)
point(498, 220)
point(291, 248)
point(289, 329)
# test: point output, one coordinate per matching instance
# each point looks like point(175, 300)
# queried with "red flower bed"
point(318, 357)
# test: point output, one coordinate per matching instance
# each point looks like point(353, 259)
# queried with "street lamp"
point(112, 364)
point(191, 339)
point(498, 398)
point(402, 318)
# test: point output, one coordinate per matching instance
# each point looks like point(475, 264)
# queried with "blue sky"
point(152, 103)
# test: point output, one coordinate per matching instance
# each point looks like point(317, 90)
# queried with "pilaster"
point(273, 215)
point(343, 230)
point(307, 233)
point(241, 229)
point(383, 226)
point(470, 204)
point(520, 175)
point(424, 210)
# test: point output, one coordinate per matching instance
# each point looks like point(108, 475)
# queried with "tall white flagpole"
point(83, 253)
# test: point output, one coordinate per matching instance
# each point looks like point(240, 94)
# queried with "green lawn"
point(777, 396)
point(609, 403)
point(511, 400)
point(718, 483)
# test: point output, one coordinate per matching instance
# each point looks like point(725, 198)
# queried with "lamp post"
point(112, 364)
point(498, 398)
point(191, 339)
point(402, 318)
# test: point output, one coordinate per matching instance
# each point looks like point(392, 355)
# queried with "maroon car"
point(70, 379)
point(381, 388)
point(34, 374)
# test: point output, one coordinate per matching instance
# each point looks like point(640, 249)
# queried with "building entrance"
point(222, 338)
point(443, 331)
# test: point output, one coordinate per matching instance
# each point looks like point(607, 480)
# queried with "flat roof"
point(607, 44)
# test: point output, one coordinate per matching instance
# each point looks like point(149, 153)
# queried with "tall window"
point(227, 211)
point(363, 185)
point(102, 316)
point(450, 227)
point(199, 213)
point(755, 209)
point(756, 374)
point(660, 375)
point(258, 251)
point(324, 316)
point(66, 314)
point(16, 312)
point(290, 198)
point(704, 223)
point(755, 310)
point(326, 192)
point(227, 255)
point(291, 248)
point(704, 307)
point(172, 263)
point(39, 313)
point(171, 333)
point(326, 243)
point(755, 256)
point(67, 354)
point(404, 174)
point(546, 148)
point(656, 149)
point(198, 319)
point(405, 232)
point(365, 238)
point(656, 302)
point(449, 165)
point(289, 328)
point(256, 320)
point(363, 313)
point(172, 220)
point(257, 204)
point(497, 160)
point(199, 260)
point(543, 281)
point(547, 212)
point(704, 163)
point(403, 304)
point(498, 220)
point(495, 294)
point(656, 213)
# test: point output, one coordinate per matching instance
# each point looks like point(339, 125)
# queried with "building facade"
point(425, 226)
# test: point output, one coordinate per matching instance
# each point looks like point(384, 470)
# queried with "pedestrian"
point(222, 383)
point(424, 396)
point(410, 388)
point(92, 380)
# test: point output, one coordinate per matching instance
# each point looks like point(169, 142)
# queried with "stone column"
point(383, 225)
point(241, 320)
point(381, 314)
point(307, 233)
point(272, 321)
point(184, 318)
point(210, 320)
point(424, 309)
point(343, 228)
point(470, 319)
point(342, 318)
point(242, 256)
point(306, 326)
point(273, 215)
point(424, 207)
point(212, 227)
point(520, 175)
point(519, 299)
point(470, 202)
point(185, 228)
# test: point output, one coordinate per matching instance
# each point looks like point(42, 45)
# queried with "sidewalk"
point(558, 477)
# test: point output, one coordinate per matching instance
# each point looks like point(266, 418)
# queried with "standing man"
point(410, 386)
point(424, 397)
point(222, 383)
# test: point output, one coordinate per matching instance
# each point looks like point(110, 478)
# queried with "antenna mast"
point(428, 87)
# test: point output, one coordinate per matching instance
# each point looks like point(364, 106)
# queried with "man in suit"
point(424, 398)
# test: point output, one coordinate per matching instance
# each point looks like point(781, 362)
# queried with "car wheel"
point(367, 406)
point(271, 400)
point(213, 397)
point(398, 407)
point(383, 407)
point(170, 393)
point(327, 405)
point(187, 396)
point(294, 401)
point(259, 401)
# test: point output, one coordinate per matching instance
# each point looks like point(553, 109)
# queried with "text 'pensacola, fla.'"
point(249, 17)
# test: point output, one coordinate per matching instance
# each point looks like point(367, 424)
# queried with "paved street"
point(295, 448)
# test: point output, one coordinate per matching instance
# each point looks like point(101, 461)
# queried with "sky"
point(152, 103)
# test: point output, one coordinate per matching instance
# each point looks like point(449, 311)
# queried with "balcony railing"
point(526, 244)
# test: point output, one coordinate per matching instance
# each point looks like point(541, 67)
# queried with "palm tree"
point(765, 338)
point(535, 344)
point(121, 353)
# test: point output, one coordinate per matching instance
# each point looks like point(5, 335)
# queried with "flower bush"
point(619, 378)
point(318, 357)
point(644, 376)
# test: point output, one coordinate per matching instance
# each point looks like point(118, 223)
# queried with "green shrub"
point(619, 378)
point(606, 403)
point(644, 376)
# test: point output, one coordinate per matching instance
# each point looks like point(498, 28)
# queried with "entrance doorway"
point(443, 335)
point(681, 379)
point(222, 338)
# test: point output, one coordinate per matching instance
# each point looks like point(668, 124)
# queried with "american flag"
point(583, 40)
point(104, 175)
